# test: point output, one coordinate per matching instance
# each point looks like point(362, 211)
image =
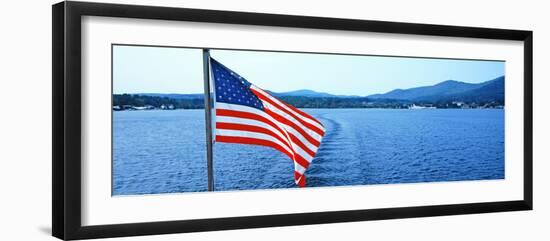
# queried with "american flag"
point(246, 114)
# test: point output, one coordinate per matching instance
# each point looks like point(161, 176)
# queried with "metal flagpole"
point(208, 117)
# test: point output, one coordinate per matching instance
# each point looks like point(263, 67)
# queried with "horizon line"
point(322, 92)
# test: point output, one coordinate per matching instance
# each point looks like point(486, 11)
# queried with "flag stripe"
point(299, 169)
point(300, 179)
point(283, 111)
point(239, 130)
point(286, 107)
point(303, 114)
point(231, 136)
point(307, 156)
point(250, 128)
point(246, 138)
point(283, 120)
point(299, 125)
point(265, 137)
point(248, 115)
point(251, 122)
point(300, 144)
point(253, 141)
point(245, 121)
point(224, 109)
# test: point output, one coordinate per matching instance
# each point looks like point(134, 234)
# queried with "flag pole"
point(208, 117)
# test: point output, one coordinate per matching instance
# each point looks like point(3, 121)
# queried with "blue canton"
point(231, 88)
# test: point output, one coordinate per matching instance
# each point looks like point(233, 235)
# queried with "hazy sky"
point(179, 70)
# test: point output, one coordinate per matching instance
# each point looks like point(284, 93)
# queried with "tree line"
point(301, 102)
point(155, 101)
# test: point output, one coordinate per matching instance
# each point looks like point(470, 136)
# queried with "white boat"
point(415, 107)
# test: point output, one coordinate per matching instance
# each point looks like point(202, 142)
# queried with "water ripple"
point(163, 151)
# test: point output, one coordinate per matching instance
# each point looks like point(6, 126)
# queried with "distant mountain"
point(446, 92)
point(301, 93)
point(450, 90)
point(489, 91)
point(309, 93)
point(443, 88)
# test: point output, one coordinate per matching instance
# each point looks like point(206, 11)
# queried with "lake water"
point(164, 151)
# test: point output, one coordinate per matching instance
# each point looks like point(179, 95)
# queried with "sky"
point(138, 69)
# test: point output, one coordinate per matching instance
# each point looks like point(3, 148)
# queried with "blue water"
point(164, 151)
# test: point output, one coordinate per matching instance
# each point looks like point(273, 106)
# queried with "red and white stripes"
point(280, 126)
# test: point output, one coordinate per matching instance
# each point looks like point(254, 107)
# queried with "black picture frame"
point(66, 127)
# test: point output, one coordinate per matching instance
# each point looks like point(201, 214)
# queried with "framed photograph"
point(169, 120)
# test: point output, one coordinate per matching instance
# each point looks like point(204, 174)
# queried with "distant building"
point(458, 103)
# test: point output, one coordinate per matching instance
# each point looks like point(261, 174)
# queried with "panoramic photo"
point(301, 120)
